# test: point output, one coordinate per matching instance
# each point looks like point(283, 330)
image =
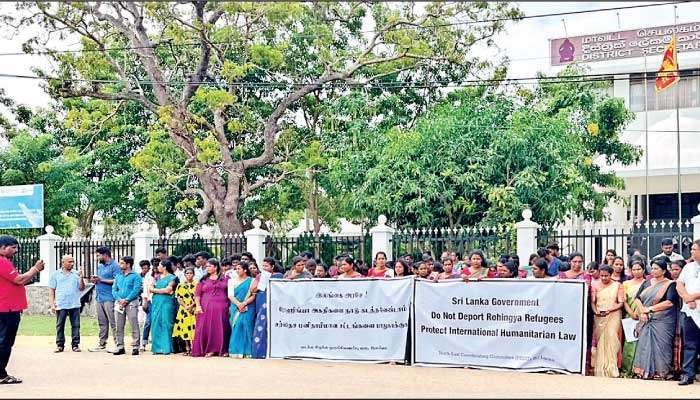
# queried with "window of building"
point(689, 96)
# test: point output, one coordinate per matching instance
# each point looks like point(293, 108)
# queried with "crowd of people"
point(201, 306)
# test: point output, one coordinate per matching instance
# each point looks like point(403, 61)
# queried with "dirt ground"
point(100, 375)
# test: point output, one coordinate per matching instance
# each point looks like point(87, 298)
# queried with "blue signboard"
point(21, 206)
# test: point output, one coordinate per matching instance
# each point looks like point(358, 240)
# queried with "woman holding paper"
point(269, 271)
point(656, 304)
point(631, 287)
point(607, 302)
point(242, 311)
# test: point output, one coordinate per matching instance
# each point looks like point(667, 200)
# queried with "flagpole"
point(646, 151)
point(678, 127)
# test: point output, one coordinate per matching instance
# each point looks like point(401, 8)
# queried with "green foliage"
point(482, 155)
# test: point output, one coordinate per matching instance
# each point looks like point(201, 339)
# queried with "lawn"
point(45, 325)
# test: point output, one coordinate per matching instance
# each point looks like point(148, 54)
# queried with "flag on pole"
point(668, 74)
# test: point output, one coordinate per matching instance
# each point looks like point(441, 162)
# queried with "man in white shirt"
point(688, 287)
point(667, 251)
point(201, 259)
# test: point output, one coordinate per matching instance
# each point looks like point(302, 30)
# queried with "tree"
point(222, 77)
point(484, 154)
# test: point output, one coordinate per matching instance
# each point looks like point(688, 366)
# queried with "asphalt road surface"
point(100, 375)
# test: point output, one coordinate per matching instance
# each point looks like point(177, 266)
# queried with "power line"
point(195, 44)
point(582, 78)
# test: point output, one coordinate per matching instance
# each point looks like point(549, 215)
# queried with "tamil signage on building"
point(624, 44)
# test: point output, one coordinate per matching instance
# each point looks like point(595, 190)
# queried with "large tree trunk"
point(85, 222)
point(228, 222)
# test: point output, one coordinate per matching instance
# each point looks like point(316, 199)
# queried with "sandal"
point(10, 380)
point(58, 350)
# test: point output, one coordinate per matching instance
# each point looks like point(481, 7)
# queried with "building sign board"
point(623, 44)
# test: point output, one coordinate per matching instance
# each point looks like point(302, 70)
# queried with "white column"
point(526, 231)
point(255, 241)
point(143, 241)
point(381, 238)
point(696, 225)
point(47, 252)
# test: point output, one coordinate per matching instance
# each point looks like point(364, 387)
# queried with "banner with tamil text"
point(521, 324)
point(339, 319)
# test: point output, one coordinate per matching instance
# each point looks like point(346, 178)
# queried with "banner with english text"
point(337, 319)
point(515, 324)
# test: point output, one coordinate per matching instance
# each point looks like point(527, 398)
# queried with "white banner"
point(351, 320)
point(521, 324)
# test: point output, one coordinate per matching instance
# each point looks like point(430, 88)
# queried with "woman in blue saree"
point(163, 310)
point(269, 266)
point(242, 315)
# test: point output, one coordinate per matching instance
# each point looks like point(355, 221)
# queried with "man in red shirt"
point(13, 300)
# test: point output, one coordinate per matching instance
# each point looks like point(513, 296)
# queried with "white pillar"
point(381, 238)
point(255, 241)
point(47, 252)
point(526, 231)
point(696, 225)
point(143, 241)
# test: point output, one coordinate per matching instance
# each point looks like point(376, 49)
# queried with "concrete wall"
point(38, 302)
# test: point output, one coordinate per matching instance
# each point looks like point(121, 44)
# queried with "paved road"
point(83, 375)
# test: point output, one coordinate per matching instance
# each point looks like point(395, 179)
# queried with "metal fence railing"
point(323, 246)
point(27, 254)
point(645, 237)
point(218, 247)
point(84, 251)
point(493, 241)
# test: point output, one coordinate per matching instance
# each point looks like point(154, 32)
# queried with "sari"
point(260, 327)
point(184, 322)
point(241, 343)
point(482, 273)
point(628, 348)
point(654, 356)
point(606, 353)
point(162, 318)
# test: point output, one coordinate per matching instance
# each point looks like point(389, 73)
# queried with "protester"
point(478, 267)
point(163, 312)
point(161, 253)
point(320, 271)
point(551, 253)
point(618, 267)
point(675, 270)
point(667, 250)
point(656, 305)
point(576, 270)
point(607, 301)
point(298, 270)
point(310, 265)
point(402, 268)
point(212, 329)
point(347, 268)
point(242, 311)
point(593, 271)
point(254, 271)
point(185, 319)
point(107, 271)
point(447, 271)
point(423, 270)
point(201, 264)
point(539, 268)
point(380, 269)
point(125, 291)
point(631, 287)
point(65, 286)
point(259, 346)
point(507, 270)
point(148, 280)
point(688, 287)
point(13, 300)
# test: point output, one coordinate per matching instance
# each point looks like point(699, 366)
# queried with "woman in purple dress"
point(212, 330)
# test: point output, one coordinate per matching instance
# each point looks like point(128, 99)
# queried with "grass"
point(45, 325)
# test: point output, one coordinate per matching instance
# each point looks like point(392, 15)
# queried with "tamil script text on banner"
point(526, 325)
point(351, 320)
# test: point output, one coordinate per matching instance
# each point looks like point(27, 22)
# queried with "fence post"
point(696, 225)
point(381, 238)
point(143, 239)
point(255, 241)
point(47, 252)
point(526, 231)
